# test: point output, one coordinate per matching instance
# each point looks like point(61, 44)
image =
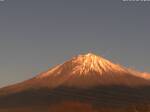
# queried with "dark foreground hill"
point(62, 99)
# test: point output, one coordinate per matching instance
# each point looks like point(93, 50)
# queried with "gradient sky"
point(38, 34)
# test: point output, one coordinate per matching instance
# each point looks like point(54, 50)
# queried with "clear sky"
point(38, 34)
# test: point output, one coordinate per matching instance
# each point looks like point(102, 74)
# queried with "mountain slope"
point(82, 71)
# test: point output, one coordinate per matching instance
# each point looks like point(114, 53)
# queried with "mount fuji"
point(85, 81)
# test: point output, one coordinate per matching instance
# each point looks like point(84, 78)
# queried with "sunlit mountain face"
point(85, 83)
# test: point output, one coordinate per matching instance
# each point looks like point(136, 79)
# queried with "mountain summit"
point(83, 65)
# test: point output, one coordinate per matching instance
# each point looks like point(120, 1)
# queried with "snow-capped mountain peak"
point(85, 64)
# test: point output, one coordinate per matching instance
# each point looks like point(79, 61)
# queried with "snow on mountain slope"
point(85, 64)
